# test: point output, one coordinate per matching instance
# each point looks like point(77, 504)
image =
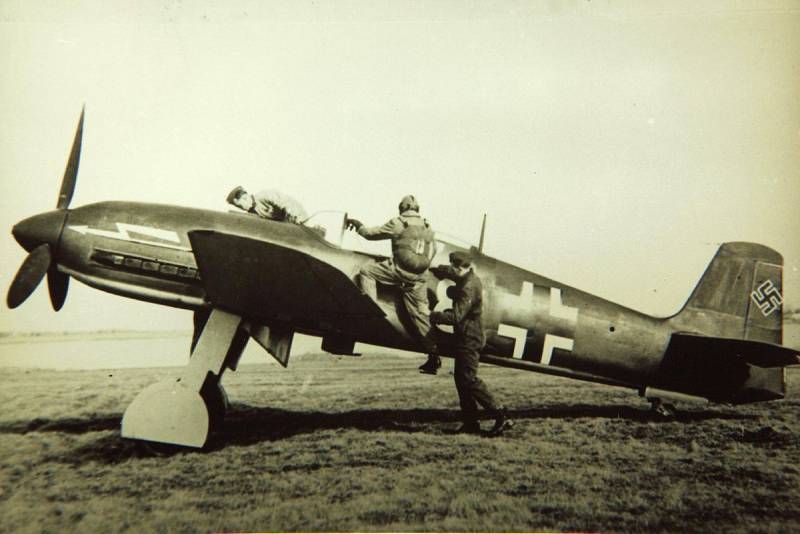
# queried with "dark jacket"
point(466, 314)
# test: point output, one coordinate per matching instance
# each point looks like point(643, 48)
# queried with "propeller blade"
point(71, 172)
point(57, 284)
point(29, 275)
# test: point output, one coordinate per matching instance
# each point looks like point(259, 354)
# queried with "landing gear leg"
point(185, 411)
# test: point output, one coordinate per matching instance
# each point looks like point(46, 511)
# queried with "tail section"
point(739, 295)
point(723, 369)
point(726, 341)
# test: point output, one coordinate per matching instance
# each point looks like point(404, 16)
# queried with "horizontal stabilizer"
point(724, 369)
point(753, 352)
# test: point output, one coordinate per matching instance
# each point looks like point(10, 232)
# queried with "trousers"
point(413, 288)
point(471, 389)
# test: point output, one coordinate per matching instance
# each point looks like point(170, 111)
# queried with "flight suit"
point(273, 204)
point(466, 318)
point(387, 272)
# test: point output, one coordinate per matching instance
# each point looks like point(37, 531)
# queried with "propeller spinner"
point(40, 236)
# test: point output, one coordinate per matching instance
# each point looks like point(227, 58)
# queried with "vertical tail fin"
point(740, 294)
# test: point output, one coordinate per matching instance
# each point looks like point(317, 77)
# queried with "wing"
point(261, 280)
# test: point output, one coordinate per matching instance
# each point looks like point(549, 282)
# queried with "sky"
point(612, 145)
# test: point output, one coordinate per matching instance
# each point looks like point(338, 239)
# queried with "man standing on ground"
point(466, 318)
point(413, 248)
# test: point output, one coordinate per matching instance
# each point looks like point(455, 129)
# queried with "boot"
point(431, 366)
point(501, 423)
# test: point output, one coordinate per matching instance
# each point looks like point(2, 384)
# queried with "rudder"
point(740, 293)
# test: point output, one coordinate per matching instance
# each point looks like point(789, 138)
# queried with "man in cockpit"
point(268, 204)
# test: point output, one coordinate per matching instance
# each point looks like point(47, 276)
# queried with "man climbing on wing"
point(413, 248)
point(466, 316)
point(268, 204)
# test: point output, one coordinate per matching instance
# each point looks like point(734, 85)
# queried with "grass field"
point(366, 444)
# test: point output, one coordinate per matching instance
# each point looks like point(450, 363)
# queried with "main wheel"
point(216, 400)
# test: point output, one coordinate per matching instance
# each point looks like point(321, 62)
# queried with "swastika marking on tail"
point(767, 297)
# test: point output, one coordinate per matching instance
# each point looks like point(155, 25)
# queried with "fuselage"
point(143, 251)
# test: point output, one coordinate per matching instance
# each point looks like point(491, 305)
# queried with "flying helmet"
point(235, 193)
point(408, 202)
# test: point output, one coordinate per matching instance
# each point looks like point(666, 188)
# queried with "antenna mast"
point(483, 231)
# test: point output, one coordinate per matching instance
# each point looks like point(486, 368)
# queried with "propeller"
point(57, 284)
point(71, 172)
point(40, 234)
point(29, 275)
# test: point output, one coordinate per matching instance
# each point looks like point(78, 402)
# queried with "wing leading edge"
point(265, 281)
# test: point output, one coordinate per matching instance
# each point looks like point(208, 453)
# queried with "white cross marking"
point(520, 336)
point(559, 310)
point(554, 342)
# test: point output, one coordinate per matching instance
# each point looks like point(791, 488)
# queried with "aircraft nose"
point(42, 228)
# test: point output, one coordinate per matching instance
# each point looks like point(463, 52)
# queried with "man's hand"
point(353, 224)
point(437, 317)
point(441, 271)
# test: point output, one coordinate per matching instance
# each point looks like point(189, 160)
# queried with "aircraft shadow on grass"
point(247, 425)
point(244, 422)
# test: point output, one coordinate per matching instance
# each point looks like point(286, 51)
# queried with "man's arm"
point(376, 233)
point(464, 301)
point(442, 317)
point(462, 305)
point(291, 208)
point(442, 271)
